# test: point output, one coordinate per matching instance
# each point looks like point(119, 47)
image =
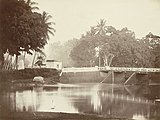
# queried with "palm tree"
point(101, 28)
point(40, 60)
point(47, 25)
point(46, 30)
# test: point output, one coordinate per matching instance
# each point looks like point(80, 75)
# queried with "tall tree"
point(100, 30)
point(21, 28)
point(10, 12)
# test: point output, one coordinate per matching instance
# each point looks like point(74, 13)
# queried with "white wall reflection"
point(43, 101)
point(56, 103)
point(27, 100)
point(139, 117)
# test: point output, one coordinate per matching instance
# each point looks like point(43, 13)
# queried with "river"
point(108, 100)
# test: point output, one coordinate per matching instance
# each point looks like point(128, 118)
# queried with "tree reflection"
point(103, 99)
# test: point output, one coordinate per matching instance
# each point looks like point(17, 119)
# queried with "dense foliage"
point(107, 45)
point(153, 43)
point(21, 28)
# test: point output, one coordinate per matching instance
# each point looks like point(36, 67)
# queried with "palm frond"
point(33, 3)
point(48, 23)
point(30, 3)
point(50, 28)
point(34, 8)
point(44, 14)
point(52, 33)
point(101, 27)
point(47, 18)
point(41, 52)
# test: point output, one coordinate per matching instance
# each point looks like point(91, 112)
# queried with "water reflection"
point(108, 100)
point(139, 117)
point(95, 99)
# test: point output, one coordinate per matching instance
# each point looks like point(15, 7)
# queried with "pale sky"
point(74, 17)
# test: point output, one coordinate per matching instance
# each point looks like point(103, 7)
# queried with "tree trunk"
point(11, 62)
point(5, 62)
point(34, 59)
point(99, 58)
point(24, 58)
point(16, 62)
point(8, 62)
point(1, 59)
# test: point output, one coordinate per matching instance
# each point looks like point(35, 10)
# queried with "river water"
point(137, 102)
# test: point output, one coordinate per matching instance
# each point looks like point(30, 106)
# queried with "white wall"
point(57, 65)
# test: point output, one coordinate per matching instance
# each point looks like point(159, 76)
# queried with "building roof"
point(52, 61)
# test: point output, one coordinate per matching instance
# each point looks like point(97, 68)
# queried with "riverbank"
point(26, 76)
point(56, 116)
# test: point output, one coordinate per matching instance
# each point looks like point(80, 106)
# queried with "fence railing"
point(80, 69)
point(118, 69)
point(121, 69)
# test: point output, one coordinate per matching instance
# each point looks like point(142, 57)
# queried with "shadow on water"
point(108, 100)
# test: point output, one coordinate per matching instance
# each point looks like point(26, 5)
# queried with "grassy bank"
point(26, 75)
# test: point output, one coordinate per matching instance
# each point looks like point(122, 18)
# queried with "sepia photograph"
point(79, 59)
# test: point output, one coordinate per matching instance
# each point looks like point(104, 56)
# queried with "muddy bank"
point(55, 116)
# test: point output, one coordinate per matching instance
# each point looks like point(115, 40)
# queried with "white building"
point(53, 64)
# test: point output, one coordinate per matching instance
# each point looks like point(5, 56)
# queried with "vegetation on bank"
point(119, 46)
point(106, 45)
point(28, 74)
point(23, 29)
